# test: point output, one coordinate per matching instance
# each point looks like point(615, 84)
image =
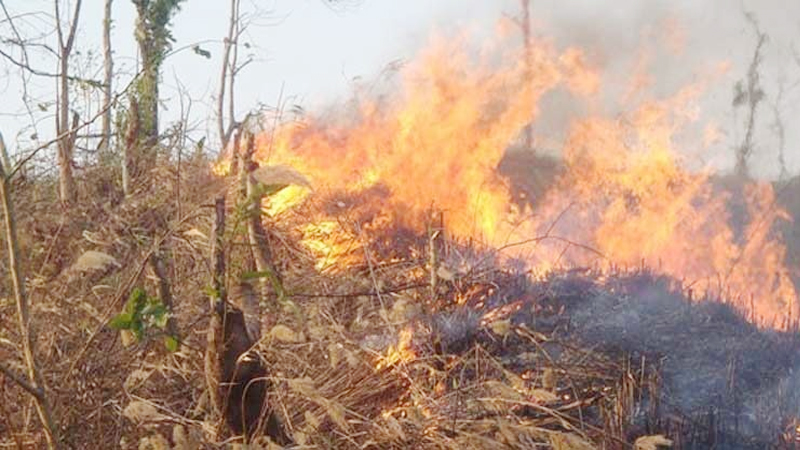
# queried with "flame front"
point(624, 197)
point(400, 353)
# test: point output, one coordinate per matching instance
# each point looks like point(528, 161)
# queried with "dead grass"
point(372, 361)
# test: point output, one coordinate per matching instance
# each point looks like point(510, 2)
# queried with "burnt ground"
point(720, 382)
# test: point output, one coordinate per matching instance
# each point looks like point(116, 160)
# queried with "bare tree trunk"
point(143, 154)
point(4, 159)
point(224, 129)
point(36, 383)
point(148, 100)
point(257, 235)
point(234, 58)
point(130, 145)
point(108, 69)
point(66, 185)
point(435, 231)
point(150, 53)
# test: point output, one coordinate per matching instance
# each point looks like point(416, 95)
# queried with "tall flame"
point(439, 141)
point(625, 195)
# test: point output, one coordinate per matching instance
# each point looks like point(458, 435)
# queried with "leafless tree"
point(108, 72)
point(524, 24)
point(238, 23)
point(66, 186)
point(750, 94)
point(228, 75)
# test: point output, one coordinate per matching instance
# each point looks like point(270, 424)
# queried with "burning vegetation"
point(622, 196)
point(630, 301)
point(389, 276)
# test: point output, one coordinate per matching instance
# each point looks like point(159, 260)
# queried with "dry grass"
point(372, 360)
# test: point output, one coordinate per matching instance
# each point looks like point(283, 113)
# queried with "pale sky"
point(310, 52)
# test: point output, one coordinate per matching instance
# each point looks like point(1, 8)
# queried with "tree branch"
point(22, 382)
point(61, 135)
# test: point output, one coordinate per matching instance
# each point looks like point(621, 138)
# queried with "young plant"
point(143, 316)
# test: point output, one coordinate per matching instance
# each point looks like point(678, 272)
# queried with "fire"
point(400, 353)
point(451, 121)
point(634, 203)
point(330, 243)
point(285, 199)
point(625, 197)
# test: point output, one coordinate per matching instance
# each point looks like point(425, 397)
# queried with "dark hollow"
point(243, 382)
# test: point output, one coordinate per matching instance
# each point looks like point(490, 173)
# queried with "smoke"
point(711, 358)
point(657, 47)
point(650, 50)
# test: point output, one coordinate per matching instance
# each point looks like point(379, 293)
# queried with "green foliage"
point(155, 40)
point(154, 22)
point(142, 314)
point(211, 292)
point(247, 276)
point(171, 343)
point(201, 51)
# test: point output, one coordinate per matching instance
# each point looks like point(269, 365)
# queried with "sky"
point(310, 53)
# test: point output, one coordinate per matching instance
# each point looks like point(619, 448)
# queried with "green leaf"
point(138, 329)
point(256, 275)
point(171, 343)
point(155, 313)
point(210, 292)
point(121, 322)
point(160, 319)
point(154, 309)
point(136, 302)
point(202, 52)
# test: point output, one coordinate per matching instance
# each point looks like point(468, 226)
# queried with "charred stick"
point(36, 392)
point(434, 237)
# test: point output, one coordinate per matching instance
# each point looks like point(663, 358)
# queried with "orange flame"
point(635, 204)
point(451, 123)
point(400, 353)
point(624, 192)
